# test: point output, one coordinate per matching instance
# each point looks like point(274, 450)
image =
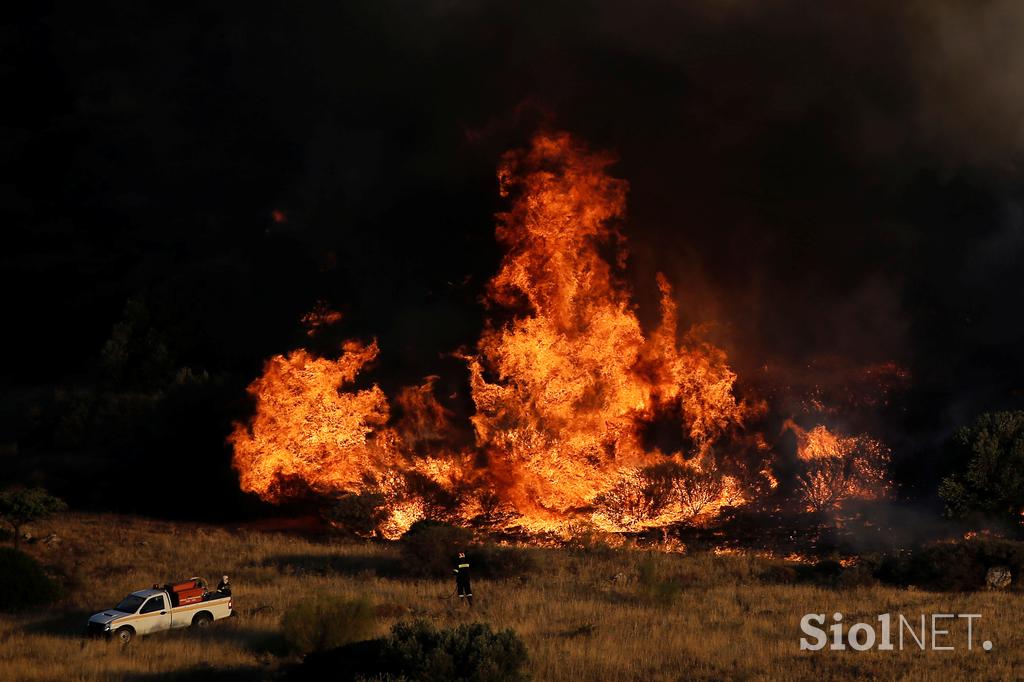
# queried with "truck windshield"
point(130, 604)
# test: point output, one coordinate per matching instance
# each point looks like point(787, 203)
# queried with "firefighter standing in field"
point(462, 578)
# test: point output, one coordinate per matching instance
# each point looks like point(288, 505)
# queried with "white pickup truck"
point(148, 611)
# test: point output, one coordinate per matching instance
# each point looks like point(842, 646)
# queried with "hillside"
point(588, 614)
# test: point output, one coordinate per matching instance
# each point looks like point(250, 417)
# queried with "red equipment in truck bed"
point(189, 596)
point(183, 585)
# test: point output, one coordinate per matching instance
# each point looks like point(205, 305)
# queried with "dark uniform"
point(462, 578)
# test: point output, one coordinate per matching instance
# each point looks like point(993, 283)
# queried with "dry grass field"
point(704, 617)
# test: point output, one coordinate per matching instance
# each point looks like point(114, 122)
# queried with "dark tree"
point(361, 513)
point(19, 506)
point(428, 547)
point(136, 355)
point(991, 479)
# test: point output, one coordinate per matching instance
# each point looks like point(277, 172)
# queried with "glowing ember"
point(321, 316)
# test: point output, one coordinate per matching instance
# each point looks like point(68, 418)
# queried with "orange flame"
point(837, 468)
point(563, 390)
point(575, 376)
point(308, 430)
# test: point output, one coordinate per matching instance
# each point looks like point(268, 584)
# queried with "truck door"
point(155, 616)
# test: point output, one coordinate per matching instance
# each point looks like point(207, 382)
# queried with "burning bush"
point(834, 468)
point(664, 492)
point(698, 488)
point(628, 503)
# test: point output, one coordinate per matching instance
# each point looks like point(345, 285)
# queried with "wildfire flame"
point(575, 376)
point(563, 386)
point(837, 468)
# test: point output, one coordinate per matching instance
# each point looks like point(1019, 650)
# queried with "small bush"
point(326, 623)
point(825, 572)
point(468, 653)
point(861, 574)
point(429, 547)
point(653, 585)
point(492, 561)
point(953, 566)
point(23, 583)
point(990, 481)
point(586, 539)
point(779, 573)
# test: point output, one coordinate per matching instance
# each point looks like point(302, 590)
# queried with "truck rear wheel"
point(202, 620)
point(124, 634)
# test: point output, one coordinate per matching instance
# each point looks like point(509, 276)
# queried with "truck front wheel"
point(125, 634)
point(202, 620)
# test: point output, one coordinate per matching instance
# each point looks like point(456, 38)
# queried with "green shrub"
point(23, 583)
point(467, 653)
point(653, 585)
point(953, 566)
point(778, 573)
point(586, 539)
point(19, 506)
point(327, 622)
point(990, 479)
point(860, 574)
point(429, 548)
point(493, 561)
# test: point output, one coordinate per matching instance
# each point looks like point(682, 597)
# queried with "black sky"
point(819, 181)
